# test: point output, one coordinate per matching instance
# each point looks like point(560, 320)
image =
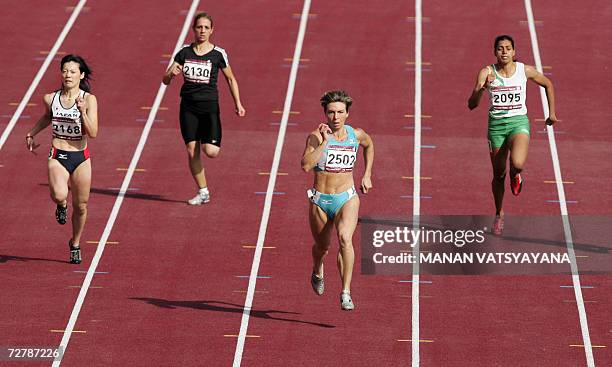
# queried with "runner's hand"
point(81, 104)
point(366, 184)
point(490, 78)
point(240, 111)
point(176, 70)
point(325, 131)
point(551, 119)
point(30, 143)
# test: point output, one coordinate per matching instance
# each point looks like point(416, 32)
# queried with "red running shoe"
point(516, 184)
point(498, 225)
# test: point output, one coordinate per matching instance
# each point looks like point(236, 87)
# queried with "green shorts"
point(501, 129)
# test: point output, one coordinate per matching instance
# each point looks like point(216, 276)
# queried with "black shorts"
point(70, 160)
point(200, 121)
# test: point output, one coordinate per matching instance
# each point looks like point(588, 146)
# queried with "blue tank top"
point(339, 156)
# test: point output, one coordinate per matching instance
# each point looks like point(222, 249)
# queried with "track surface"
point(171, 287)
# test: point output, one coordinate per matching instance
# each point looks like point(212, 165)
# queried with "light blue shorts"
point(330, 203)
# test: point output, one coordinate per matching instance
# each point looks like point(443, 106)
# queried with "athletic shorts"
point(200, 121)
point(500, 130)
point(330, 203)
point(70, 160)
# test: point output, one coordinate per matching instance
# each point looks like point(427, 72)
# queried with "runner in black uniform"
point(73, 112)
point(199, 114)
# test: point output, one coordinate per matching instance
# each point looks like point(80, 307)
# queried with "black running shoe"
point(61, 213)
point(75, 253)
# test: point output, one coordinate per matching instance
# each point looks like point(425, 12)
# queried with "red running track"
point(171, 290)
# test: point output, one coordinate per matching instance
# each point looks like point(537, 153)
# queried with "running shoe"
point(346, 302)
point(199, 199)
point(61, 213)
point(516, 184)
point(75, 253)
point(498, 225)
point(318, 285)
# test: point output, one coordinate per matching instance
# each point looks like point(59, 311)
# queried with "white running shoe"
point(199, 199)
point(318, 284)
point(346, 302)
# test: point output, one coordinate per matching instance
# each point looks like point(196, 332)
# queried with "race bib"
point(67, 129)
point(506, 98)
point(197, 71)
point(340, 159)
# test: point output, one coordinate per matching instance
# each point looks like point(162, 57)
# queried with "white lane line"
point(124, 187)
point(41, 72)
point(416, 195)
point(584, 326)
point(246, 312)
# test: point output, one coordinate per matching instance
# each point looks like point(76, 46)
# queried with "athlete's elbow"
point(93, 134)
point(306, 167)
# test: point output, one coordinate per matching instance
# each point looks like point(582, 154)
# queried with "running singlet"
point(66, 122)
point(508, 95)
point(339, 156)
point(200, 73)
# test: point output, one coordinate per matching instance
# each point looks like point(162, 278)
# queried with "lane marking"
point(412, 178)
point(416, 203)
point(592, 346)
point(31, 104)
point(41, 72)
point(248, 302)
point(265, 193)
point(417, 341)
point(107, 242)
point(563, 182)
point(584, 326)
point(135, 170)
point(291, 59)
point(244, 291)
point(124, 186)
point(582, 286)
point(422, 63)
point(78, 286)
point(151, 107)
point(255, 246)
point(72, 331)
point(258, 276)
point(268, 173)
point(236, 336)
point(421, 116)
point(574, 301)
point(277, 112)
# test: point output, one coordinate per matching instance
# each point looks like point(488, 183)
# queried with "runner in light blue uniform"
point(338, 156)
point(331, 151)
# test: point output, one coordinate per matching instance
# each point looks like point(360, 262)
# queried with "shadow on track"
point(225, 307)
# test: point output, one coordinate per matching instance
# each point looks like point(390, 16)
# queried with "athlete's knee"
point(211, 152)
point(345, 239)
point(80, 208)
point(59, 197)
point(192, 151)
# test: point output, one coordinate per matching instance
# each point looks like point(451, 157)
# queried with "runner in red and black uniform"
point(73, 112)
point(199, 115)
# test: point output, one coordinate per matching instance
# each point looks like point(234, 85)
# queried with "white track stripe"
point(41, 72)
point(246, 312)
point(124, 186)
point(584, 326)
point(416, 195)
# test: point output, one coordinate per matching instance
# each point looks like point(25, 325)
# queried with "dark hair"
point(83, 68)
point(201, 15)
point(503, 37)
point(336, 96)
